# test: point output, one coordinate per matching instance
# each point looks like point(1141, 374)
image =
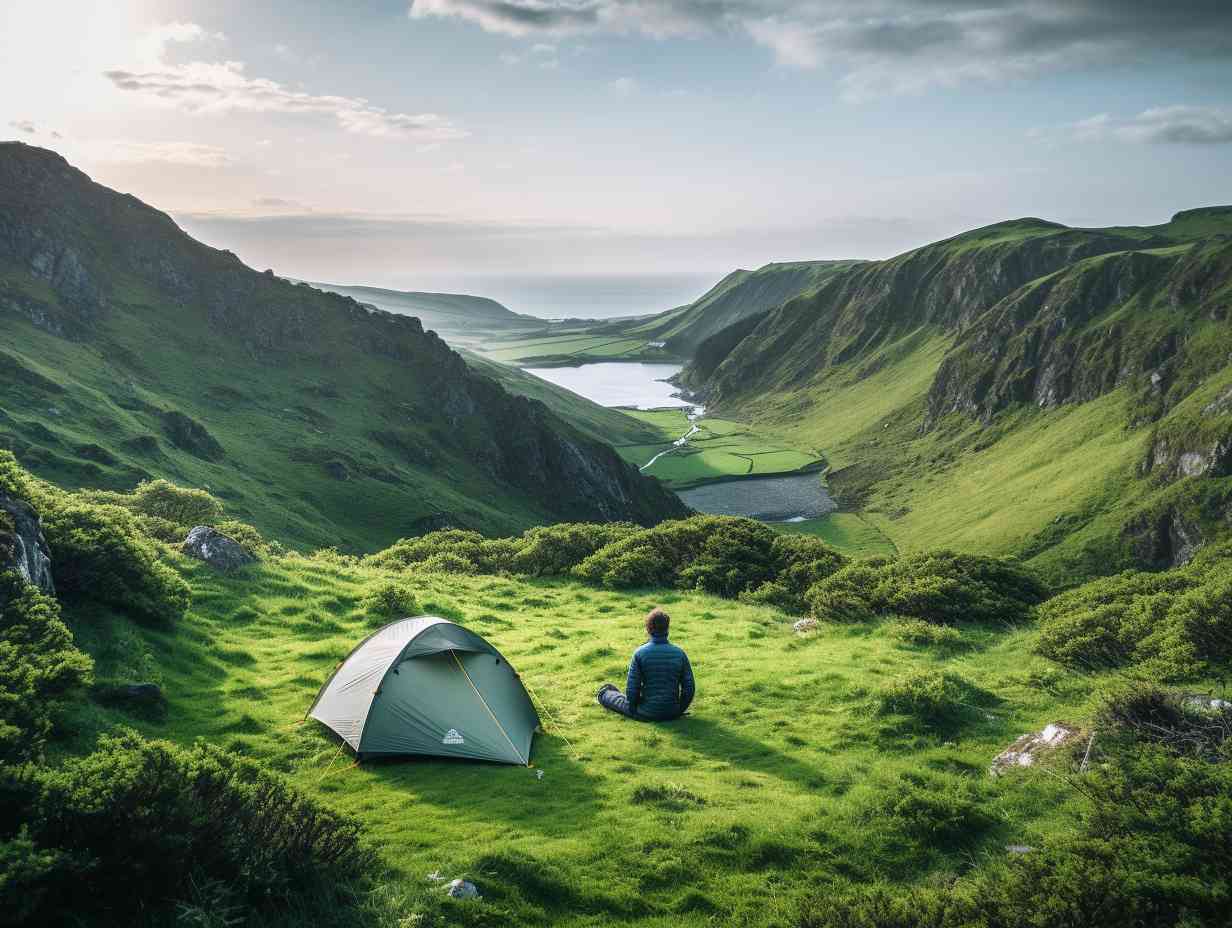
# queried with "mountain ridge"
point(322, 415)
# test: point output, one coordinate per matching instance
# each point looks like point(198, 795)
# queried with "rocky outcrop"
point(22, 546)
point(206, 543)
point(189, 435)
point(1075, 335)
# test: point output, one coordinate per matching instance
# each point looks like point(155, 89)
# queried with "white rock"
point(462, 889)
point(1027, 749)
point(806, 625)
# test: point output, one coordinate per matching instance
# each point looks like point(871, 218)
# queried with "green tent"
point(428, 686)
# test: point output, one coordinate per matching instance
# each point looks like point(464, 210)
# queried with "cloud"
point(23, 125)
point(189, 154)
point(225, 87)
point(280, 204)
point(623, 86)
point(888, 46)
point(1178, 125)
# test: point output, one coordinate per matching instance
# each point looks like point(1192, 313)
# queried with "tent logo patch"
point(452, 737)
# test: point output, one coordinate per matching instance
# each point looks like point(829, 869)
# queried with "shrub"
point(716, 554)
point(99, 553)
point(1182, 724)
point(391, 600)
point(250, 538)
point(457, 548)
point(929, 811)
point(13, 480)
point(917, 631)
point(164, 500)
point(799, 562)
point(928, 696)
point(553, 550)
point(448, 562)
point(1173, 625)
point(39, 666)
point(127, 832)
point(940, 586)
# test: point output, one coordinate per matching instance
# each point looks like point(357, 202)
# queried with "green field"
point(721, 449)
point(758, 799)
point(572, 348)
point(850, 532)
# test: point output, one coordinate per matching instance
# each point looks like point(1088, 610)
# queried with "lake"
point(617, 383)
point(770, 499)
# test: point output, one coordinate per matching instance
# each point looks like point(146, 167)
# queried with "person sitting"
point(660, 681)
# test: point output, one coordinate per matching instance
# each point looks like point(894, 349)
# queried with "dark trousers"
point(612, 698)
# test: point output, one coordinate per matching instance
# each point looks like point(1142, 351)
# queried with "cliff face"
point(947, 285)
point(186, 326)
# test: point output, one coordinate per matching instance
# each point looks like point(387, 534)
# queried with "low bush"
point(390, 600)
point(123, 835)
point(1184, 724)
point(940, 586)
point(928, 696)
point(100, 553)
point(929, 811)
point(250, 538)
point(800, 561)
point(39, 667)
point(716, 554)
point(1172, 625)
point(184, 506)
point(455, 551)
point(554, 550)
point(919, 632)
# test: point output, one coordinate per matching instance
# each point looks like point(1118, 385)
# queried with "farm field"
point(721, 448)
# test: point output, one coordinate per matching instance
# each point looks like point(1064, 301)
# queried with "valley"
point(907, 516)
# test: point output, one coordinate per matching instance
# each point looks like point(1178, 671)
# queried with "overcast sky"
point(400, 145)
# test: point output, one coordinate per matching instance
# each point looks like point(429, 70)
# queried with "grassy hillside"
point(815, 767)
point(131, 351)
point(1025, 388)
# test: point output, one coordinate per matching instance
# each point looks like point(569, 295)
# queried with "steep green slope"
point(599, 422)
point(131, 350)
point(1027, 388)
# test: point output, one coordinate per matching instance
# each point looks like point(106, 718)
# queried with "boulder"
point(140, 699)
point(208, 544)
point(22, 545)
point(1030, 747)
point(462, 889)
point(805, 625)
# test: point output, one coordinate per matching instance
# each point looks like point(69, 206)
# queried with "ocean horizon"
point(581, 296)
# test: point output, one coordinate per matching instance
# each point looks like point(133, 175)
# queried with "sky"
point(486, 144)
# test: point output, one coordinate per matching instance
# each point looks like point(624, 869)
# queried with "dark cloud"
point(892, 44)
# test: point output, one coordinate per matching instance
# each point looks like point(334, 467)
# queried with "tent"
point(428, 686)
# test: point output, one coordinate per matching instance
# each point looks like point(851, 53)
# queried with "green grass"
point(736, 813)
point(850, 532)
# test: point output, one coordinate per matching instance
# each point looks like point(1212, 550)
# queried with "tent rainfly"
point(428, 686)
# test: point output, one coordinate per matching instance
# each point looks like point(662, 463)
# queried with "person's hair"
point(657, 621)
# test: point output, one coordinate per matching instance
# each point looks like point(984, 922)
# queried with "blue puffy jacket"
point(660, 682)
